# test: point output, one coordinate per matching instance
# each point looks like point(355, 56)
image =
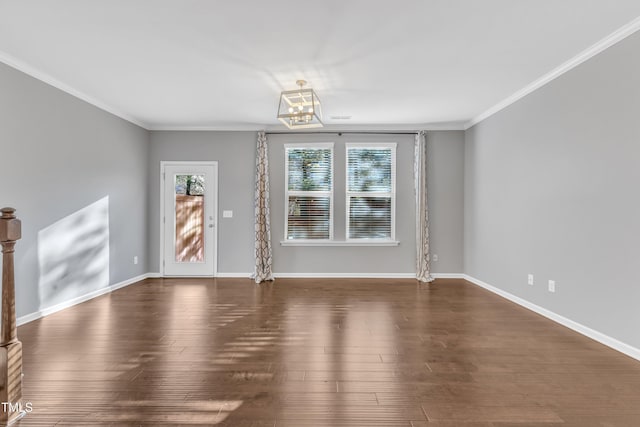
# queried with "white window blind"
point(370, 192)
point(309, 198)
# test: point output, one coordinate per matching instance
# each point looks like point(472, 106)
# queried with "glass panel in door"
point(190, 226)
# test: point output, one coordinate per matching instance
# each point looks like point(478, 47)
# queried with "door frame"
point(213, 163)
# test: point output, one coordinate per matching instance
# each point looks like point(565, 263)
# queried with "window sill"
point(339, 243)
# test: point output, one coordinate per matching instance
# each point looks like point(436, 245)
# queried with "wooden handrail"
point(10, 347)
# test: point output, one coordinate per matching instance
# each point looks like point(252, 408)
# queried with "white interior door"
point(189, 219)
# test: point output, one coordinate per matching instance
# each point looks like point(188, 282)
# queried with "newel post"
point(10, 347)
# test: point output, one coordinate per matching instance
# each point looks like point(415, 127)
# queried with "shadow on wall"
point(73, 255)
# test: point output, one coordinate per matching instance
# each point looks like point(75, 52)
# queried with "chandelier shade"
point(300, 108)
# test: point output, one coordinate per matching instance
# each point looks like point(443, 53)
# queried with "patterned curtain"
point(262, 226)
point(423, 266)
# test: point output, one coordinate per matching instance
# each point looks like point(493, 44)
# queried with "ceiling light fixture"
point(300, 108)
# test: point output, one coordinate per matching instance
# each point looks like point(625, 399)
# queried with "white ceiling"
point(188, 64)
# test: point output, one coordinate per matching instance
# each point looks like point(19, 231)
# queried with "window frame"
point(392, 194)
point(288, 193)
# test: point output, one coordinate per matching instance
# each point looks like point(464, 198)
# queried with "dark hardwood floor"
point(302, 353)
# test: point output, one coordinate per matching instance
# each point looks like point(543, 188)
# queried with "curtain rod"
point(340, 133)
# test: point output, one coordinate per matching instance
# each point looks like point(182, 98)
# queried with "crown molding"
point(253, 127)
point(613, 38)
point(410, 127)
point(388, 127)
point(15, 63)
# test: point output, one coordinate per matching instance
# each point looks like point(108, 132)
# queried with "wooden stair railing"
point(10, 348)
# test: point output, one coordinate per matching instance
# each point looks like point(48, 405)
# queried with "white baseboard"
point(345, 275)
point(447, 275)
point(234, 275)
point(77, 300)
point(222, 275)
point(348, 275)
point(584, 330)
point(334, 275)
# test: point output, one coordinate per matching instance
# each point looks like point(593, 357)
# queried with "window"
point(309, 192)
point(371, 191)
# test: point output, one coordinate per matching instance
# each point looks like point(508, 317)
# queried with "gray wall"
point(235, 152)
point(551, 189)
point(445, 181)
point(59, 156)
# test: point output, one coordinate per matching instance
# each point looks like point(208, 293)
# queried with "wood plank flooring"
point(330, 352)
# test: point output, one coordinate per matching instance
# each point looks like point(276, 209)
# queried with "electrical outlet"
point(135, 259)
point(435, 257)
point(530, 279)
point(227, 214)
point(552, 285)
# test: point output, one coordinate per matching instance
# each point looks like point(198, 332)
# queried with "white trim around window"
point(352, 242)
point(289, 193)
point(391, 195)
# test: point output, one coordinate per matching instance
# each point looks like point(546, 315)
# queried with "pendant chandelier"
point(300, 108)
